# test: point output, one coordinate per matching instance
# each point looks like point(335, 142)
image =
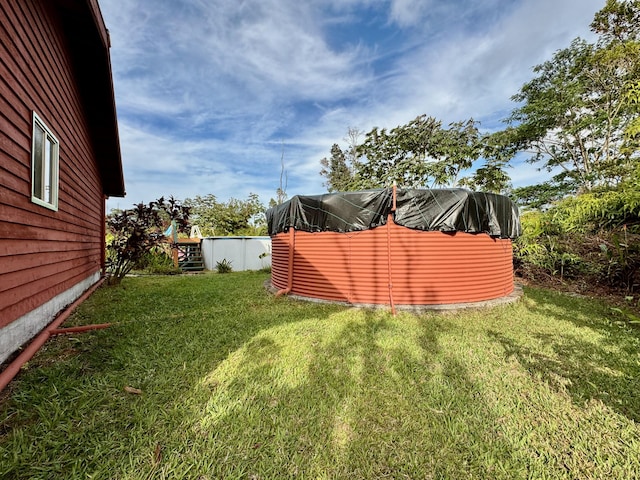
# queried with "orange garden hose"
point(80, 329)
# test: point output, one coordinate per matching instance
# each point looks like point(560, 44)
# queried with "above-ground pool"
point(410, 247)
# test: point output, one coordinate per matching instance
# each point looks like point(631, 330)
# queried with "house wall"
point(43, 253)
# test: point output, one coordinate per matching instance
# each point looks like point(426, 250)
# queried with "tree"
point(336, 171)
point(204, 212)
point(618, 21)
point(234, 217)
point(497, 150)
point(618, 24)
point(341, 167)
point(352, 140)
point(455, 150)
point(541, 196)
point(418, 154)
point(491, 177)
point(398, 155)
point(242, 217)
point(135, 232)
point(632, 133)
point(281, 191)
point(576, 114)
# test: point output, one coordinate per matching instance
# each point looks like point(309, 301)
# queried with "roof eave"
point(88, 40)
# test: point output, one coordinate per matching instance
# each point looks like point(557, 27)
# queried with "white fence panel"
point(244, 253)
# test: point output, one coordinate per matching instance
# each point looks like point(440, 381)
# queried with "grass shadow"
point(587, 355)
point(372, 399)
point(167, 333)
point(238, 384)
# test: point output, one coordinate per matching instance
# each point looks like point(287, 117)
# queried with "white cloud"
point(207, 90)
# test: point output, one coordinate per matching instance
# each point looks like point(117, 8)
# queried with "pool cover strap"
point(445, 210)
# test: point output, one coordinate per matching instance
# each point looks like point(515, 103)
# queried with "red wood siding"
point(42, 252)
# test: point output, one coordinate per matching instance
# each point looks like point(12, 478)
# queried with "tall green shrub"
point(594, 236)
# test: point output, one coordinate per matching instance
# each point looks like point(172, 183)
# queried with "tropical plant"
point(135, 232)
point(595, 236)
point(158, 261)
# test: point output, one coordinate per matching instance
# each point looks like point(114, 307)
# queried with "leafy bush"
point(620, 254)
point(595, 211)
point(593, 236)
point(157, 261)
point(555, 255)
point(224, 266)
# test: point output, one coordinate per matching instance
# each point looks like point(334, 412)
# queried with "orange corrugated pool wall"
point(392, 264)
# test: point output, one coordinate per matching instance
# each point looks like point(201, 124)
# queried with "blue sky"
point(211, 93)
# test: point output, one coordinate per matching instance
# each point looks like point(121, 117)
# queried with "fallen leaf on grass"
point(157, 455)
point(132, 390)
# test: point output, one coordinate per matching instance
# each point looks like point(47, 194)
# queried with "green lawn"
point(238, 384)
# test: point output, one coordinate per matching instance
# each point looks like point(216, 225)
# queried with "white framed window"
point(44, 165)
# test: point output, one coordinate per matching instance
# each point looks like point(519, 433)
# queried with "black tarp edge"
point(446, 210)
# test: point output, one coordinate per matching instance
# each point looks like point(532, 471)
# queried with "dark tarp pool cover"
point(445, 210)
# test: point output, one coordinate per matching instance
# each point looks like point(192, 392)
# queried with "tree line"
point(578, 117)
